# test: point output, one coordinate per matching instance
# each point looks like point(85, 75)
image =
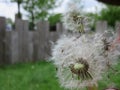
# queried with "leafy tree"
point(111, 14)
point(38, 9)
point(53, 19)
point(19, 2)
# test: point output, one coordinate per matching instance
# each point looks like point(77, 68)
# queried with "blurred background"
point(27, 30)
point(51, 10)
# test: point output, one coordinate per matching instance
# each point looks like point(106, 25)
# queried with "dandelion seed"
point(81, 61)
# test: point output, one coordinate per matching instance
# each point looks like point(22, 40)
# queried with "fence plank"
point(43, 37)
point(60, 28)
point(23, 38)
point(8, 46)
point(101, 26)
point(54, 35)
point(117, 26)
point(30, 45)
point(23, 45)
point(19, 29)
point(35, 46)
point(2, 40)
point(25, 41)
point(12, 47)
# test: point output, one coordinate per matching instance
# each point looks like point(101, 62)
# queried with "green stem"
point(92, 87)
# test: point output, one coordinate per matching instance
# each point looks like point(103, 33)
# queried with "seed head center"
point(78, 66)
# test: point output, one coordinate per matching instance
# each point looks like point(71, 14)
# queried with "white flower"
point(73, 20)
point(81, 61)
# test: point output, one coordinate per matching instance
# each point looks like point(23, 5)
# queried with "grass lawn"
point(36, 76)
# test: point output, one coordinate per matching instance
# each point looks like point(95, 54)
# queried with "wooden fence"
point(23, 45)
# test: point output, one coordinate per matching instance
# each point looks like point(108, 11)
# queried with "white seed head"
point(88, 47)
point(81, 61)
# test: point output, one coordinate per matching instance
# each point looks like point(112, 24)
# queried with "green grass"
point(113, 80)
point(36, 76)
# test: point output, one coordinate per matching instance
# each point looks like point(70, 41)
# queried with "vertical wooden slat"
point(60, 28)
point(25, 41)
point(35, 45)
point(2, 40)
point(30, 45)
point(14, 47)
point(101, 26)
point(43, 40)
point(19, 29)
point(54, 35)
point(23, 44)
point(117, 27)
point(8, 46)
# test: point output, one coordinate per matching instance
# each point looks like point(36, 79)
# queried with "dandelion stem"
point(92, 87)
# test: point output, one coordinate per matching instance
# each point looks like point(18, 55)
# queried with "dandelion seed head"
point(67, 55)
point(74, 21)
point(67, 51)
point(82, 60)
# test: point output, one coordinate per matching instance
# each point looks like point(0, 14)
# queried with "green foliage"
point(111, 14)
point(38, 9)
point(93, 19)
point(55, 18)
point(31, 76)
point(39, 76)
point(17, 1)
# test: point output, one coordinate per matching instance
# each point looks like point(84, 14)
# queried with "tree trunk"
point(19, 13)
point(18, 8)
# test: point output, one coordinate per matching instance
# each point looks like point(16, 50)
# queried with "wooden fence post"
point(19, 29)
point(60, 28)
point(2, 40)
point(25, 41)
point(30, 45)
point(35, 45)
point(12, 46)
point(55, 34)
point(101, 26)
point(117, 26)
point(23, 44)
point(42, 43)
